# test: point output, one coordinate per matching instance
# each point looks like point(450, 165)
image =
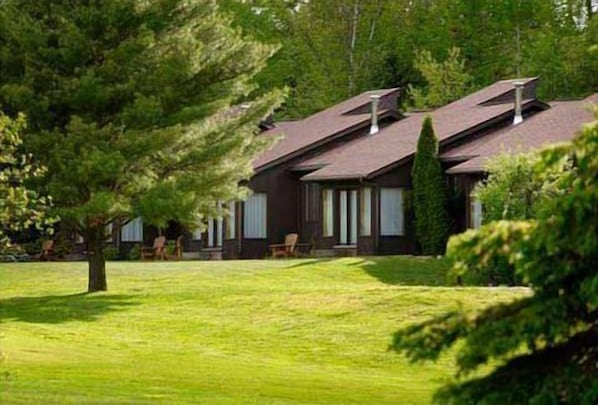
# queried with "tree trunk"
point(352, 69)
point(96, 261)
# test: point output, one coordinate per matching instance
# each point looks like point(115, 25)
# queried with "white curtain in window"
point(476, 213)
point(219, 231)
point(366, 211)
point(230, 221)
point(255, 217)
point(353, 217)
point(210, 232)
point(197, 234)
point(219, 223)
point(327, 213)
point(391, 212)
point(133, 231)
point(343, 217)
point(109, 232)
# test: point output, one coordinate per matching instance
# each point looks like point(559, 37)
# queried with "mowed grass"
point(232, 332)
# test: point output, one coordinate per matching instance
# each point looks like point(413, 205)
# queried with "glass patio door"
point(348, 217)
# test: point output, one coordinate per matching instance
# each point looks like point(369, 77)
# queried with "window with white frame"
point(196, 235)
point(132, 231)
point(392, 216)
point(108, 230)
point(475, 213)
point(210, 232)
point(353, 217)
point(230, 221)
point(255, 216)
point(107, 233)
point(366, 212)
point(327, 213)
point(219, 224)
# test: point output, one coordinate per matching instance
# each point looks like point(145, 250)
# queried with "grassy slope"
point(262, 332)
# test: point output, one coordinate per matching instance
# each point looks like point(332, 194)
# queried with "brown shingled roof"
point(560, 123)
point(368, 156)
point(298, 136)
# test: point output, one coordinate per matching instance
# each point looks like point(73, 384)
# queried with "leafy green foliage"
point(20, 206)
point(446, 81)
point(111, 253)
point(135, 108)
point(429, 193)
point(135, 253)
point(331, 49)
point(546, 341)
point(515, 188)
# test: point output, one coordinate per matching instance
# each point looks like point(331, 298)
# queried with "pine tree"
point(129, 108)
point(429, 193)
point(20, 206)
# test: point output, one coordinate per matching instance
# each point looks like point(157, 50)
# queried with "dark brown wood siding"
point(404, 244)
point(465, 183)
point(285, 201)
point(282, 205)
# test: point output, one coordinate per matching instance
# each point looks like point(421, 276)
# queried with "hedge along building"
point(341, 177)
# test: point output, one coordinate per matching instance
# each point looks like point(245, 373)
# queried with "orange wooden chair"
point(178, 249)
point(158, 250)
point(47, 252)
point(286, 249)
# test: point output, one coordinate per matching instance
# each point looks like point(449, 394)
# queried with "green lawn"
point(231, 332)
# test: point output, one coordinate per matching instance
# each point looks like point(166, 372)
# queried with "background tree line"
point(332, 49)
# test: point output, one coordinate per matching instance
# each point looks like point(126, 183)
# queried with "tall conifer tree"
point(429, 193)
point(129, 108)
point(20, 206)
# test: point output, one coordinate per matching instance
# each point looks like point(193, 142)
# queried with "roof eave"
point(343, 177)
point(457, 136)
point(466, 170)
point(323, 141)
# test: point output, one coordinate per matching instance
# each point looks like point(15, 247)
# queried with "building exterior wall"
point(285, 202)
point(282, 194)
point(404, 244)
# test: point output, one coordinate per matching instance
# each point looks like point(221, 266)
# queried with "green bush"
point(62, 246)
point(496, 271)
point(33, 248)
point(111, 253)
point(135, 253)
point(170, 246)
point(429, 194)
point(516, 188)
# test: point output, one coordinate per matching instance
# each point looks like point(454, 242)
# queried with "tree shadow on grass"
point(310, 262)
point(406, 270)
point(61, 308)
point(395, 270)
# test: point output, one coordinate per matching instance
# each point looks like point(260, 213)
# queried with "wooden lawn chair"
point(286, 249)
point(178, 249)
point(158, 250)
point(47, 252)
